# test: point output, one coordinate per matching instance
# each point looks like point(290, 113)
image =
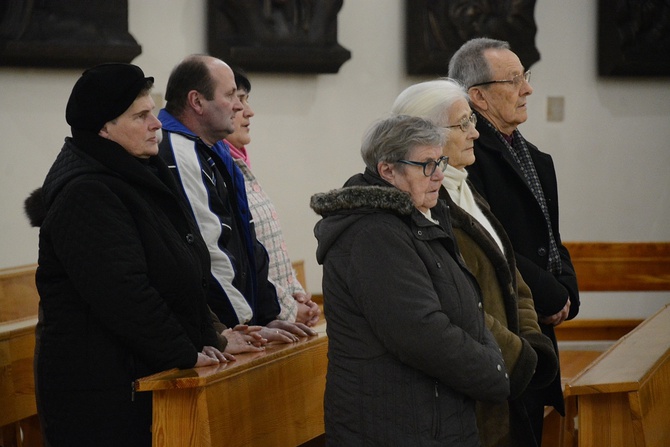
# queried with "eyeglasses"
point(516, 80)
point(429, 167)
point(465, 123)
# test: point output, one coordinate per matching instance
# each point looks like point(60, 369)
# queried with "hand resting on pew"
point(244, 338)
point(286, 332)
point(212, 356)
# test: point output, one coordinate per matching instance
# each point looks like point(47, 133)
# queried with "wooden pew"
point(615, 266)
point(17, 387)
point(19, 301)
point(602, 267)
point(18, 294)
point(262, 399)
point(19, 425)
point(621, 266)
point(623, 398)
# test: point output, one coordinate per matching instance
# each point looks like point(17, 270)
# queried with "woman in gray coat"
point(408, 352)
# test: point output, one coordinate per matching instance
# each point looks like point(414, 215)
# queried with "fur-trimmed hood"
point(362, 195)
point(352, 199)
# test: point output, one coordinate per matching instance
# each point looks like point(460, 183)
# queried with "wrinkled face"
point(460, 145)
point(241, 136)
point(218, 114)
point(135, 129)
point(504, 104)
point(423, 190)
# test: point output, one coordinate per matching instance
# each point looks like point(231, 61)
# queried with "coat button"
point(419, 232)
point(542, 251)
point(499, 368)
point(190, 238)
point(479, 304)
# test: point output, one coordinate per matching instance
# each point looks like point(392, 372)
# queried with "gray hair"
point(391, 139)
point(469, 65)
point(430, 100)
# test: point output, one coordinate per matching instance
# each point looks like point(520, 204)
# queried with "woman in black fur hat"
point(122, 272)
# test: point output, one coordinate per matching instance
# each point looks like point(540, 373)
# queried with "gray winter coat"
point(409, 352)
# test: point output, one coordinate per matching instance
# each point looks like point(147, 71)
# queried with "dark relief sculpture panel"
point(279, 36)
point(65, 33)
point(435, 29)
point(634, 38)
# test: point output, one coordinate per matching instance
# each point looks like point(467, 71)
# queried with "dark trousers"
point(534, 403)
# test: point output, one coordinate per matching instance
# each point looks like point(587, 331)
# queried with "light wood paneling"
point(621, 266)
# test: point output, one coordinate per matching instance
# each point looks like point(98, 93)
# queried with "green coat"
point(510, 316)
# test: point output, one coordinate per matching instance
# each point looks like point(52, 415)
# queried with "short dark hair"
point(190, 74)
point(241, 80)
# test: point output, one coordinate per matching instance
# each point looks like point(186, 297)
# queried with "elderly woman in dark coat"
point(122, 272)
point(488, 252)
point(409, 352)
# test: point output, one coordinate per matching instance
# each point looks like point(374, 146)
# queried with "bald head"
point(201, 93)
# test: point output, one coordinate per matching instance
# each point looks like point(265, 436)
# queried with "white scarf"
point(459, 191)
point(428, 215)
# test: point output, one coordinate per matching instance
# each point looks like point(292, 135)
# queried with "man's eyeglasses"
point(465, 123)
point(429, 167)
point(516, 80)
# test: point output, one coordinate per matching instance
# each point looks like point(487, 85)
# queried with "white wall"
point(611, 151)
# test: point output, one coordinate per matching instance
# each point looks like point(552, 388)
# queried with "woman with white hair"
point(508, 303)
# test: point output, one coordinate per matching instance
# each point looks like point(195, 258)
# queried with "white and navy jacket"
point(240, 292)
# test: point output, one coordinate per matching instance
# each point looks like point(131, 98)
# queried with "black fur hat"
point(103, 93)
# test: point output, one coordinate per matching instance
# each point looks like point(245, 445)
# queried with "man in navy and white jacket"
point(199, 114)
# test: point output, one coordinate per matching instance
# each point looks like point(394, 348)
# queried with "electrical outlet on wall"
point(555, 108)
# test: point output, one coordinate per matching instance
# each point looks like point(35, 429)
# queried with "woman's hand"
point(285, 332)
point(243, 338)
point(212, 356)
point(308, 310)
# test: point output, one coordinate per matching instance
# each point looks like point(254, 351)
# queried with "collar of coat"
point(365, 192)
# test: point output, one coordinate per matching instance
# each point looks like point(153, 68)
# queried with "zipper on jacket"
point(436, 413)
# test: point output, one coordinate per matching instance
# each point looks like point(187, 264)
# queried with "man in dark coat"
point(123, 272)
point(519, 183)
